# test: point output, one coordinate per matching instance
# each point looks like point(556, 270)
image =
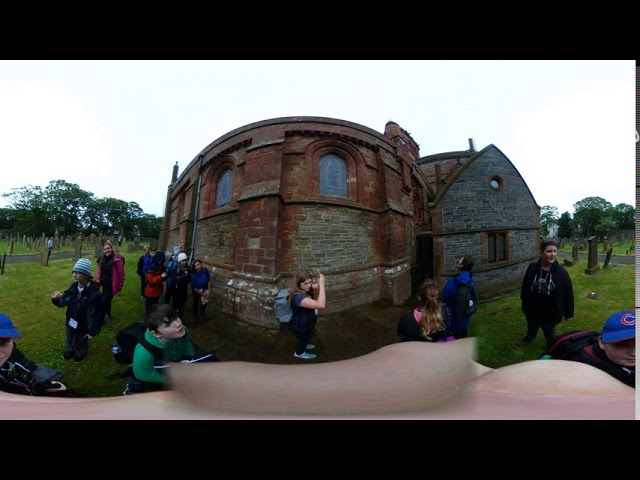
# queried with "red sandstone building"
point(361, 206)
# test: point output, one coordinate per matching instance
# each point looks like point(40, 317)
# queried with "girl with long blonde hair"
point(430, 321)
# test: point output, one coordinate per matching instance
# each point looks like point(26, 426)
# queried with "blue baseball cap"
point(619, 326)
point(7, 330)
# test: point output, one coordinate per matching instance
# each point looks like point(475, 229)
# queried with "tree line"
point(592, 216)
point(66, 208)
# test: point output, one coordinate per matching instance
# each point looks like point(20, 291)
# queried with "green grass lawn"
point(499, 324)
point(25, 296)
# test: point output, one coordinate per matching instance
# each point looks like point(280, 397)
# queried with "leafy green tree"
point(110, 215)
point(606, 225)
point(150, 226)
point(565, 228)
point(623, 216)
point(7, 219)
point(31, 210)
point(67, 204)
point(94, 219)
point(589, 212)
point(131, 220)
point(34, 211)
point(103, 215)
point(115, 210)
point(548, 217)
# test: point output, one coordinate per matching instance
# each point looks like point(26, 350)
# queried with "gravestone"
point(592, 265)
point(608, 259)
point(77, 249)
point(11, 247)
point(574, 252)
point(605, 245)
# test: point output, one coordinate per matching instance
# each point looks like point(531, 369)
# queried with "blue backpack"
point(172, 271)
point(282, 307)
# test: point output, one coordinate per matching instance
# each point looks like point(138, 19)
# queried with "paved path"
point(33, 257)
point(339, 336)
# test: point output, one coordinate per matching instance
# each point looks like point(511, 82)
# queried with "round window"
point(496, 183)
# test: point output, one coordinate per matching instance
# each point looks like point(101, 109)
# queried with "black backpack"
point(570, 345)
point(578, 345)
point(466, 303)
point(128, 338)
point(125, 345)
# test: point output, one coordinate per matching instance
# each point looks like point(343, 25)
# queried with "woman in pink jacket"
point(110, 276)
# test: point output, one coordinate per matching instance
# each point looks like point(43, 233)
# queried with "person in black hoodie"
point(546, 294)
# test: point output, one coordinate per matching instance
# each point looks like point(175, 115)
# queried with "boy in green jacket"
point(169, 341)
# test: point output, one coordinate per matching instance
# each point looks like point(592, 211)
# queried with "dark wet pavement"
point(338, 336)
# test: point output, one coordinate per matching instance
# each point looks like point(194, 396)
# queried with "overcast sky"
point(117, 128)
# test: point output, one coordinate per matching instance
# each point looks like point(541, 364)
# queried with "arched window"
point(223, 192)
point(333, 176)
point(417, 208)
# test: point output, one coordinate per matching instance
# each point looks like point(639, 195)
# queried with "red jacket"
point(154, 287)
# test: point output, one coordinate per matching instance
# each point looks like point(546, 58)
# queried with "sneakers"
point(108, 319)
point(305, 355)
point(310, 346)
point(68, 355)
point(523, 342)
point(79, 358)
